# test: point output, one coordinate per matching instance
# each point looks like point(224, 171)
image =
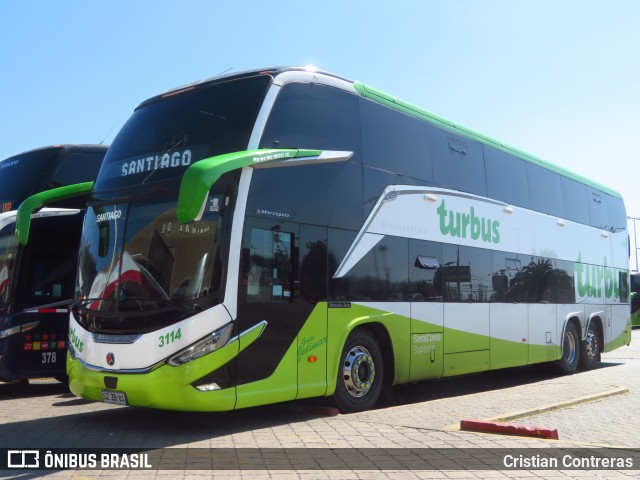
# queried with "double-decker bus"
point(635, 299)
point(37, 280)
point(281, 234)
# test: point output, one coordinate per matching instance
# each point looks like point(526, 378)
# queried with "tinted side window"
point(77, 168)
point(394, 141)
point(506, 177)
point(529, 279)
point(562, 283)
point(313, 263)
point(381, 275)
point(425, 271)
point(457, 162)
point(329, 194)
point(598, 211)
point(576, 206)
point(617, 213)
point(48, 268)
point(466, 274)
point(375, 181)
point(545, 190)
point(8, 253)
point(270, 278)
point(506, 277)
point(314, 116)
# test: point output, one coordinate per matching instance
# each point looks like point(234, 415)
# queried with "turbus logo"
point(468, 225)
point(595, 280)
point(75, 340)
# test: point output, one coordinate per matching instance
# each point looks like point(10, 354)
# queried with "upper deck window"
point(162, 138)
point(314, 116)
point(506, 177)
point(457, 162)
point(77, 167)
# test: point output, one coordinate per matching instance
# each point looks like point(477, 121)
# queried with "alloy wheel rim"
point(358, 371)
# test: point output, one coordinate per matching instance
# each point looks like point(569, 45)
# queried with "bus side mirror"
point(200, 176)
point(34, 202)
point(427, 263)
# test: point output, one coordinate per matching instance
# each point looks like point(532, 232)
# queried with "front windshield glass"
point(8, 252)
point(140, 269)
point(22, 174)
point(164, 137)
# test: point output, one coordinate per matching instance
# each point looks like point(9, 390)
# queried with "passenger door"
point(266, 367)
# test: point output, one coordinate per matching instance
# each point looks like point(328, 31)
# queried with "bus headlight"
point(17, 329)
point(208, 344)
point(9, 331)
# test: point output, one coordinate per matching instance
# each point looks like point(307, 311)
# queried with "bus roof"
point(79, 147)
point(390, 101)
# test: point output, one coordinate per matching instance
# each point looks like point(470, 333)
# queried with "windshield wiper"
point(89, 300)
point(84, 301)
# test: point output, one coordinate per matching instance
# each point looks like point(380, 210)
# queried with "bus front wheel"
point(360, 373)
point(568, 363)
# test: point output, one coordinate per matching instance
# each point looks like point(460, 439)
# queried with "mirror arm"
point(35, 202)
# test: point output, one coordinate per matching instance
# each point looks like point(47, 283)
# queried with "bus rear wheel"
point(591, 348)
point(568, 363)
point(360, 373)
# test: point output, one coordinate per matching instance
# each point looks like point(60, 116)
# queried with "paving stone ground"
point(425, 415)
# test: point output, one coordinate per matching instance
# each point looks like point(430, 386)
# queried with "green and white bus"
point(283, 233)
point(37, 280)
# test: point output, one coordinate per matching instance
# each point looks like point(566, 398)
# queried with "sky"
point(557, 79)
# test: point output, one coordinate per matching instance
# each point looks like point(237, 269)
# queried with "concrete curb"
point(504, 428)
point(556, 406)
point(546, 408)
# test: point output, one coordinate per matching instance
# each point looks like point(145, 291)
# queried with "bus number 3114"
point(170, 337)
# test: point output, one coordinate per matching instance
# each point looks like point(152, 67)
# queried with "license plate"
point(116, 398)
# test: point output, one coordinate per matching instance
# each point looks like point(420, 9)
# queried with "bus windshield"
point(29, 168)
point(8, 252)
point(139, 269)
point(164, 136)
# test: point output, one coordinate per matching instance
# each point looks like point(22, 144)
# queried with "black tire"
point(360, 373)
point(568, 363)
point(590, 348)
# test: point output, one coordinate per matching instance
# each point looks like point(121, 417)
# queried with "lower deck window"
point(269, 276)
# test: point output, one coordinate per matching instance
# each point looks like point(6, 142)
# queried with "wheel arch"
point(388, 358)
point(596, 320)
point(574, 319)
